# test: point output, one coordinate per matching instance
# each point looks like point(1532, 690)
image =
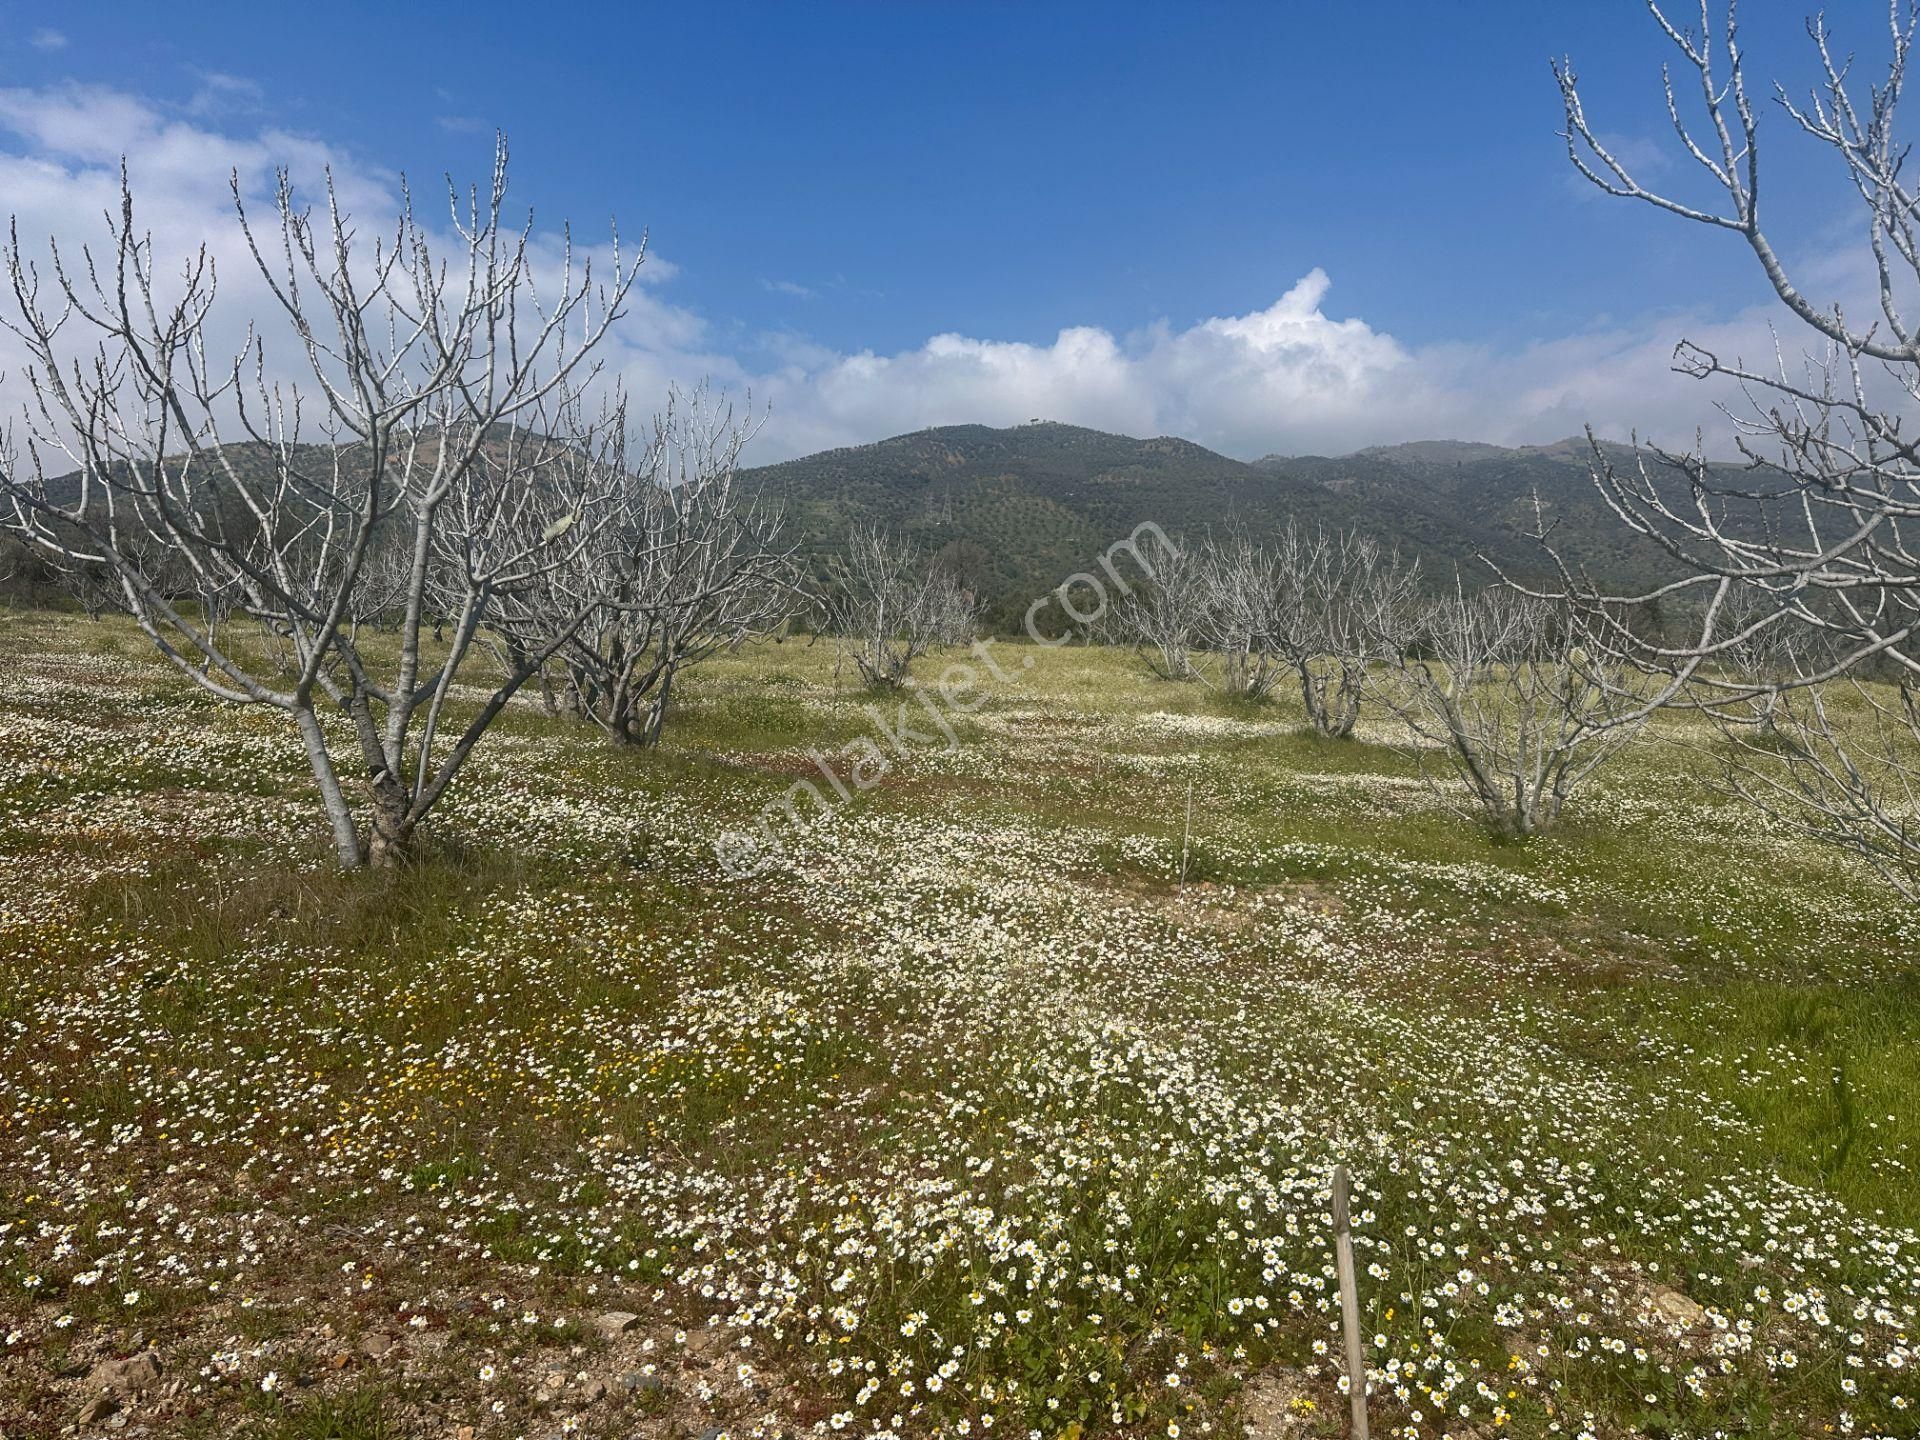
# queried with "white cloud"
point(218, 93)
point(1288, 377)
point(47, 38)
point(792, 288)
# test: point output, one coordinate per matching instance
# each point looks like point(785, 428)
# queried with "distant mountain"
point(1434, 452)
point(1016, 510)
point(1443, 454)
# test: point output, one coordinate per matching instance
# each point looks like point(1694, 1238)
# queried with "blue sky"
point(832, 182)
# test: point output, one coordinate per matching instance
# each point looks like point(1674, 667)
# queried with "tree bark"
point(346, 839)
point(391, 843)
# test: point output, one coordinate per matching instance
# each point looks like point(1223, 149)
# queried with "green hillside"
point(1018, 509)
point(1014, 511)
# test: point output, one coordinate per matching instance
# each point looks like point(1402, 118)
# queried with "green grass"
point(359, 1415)
point(565, 1051)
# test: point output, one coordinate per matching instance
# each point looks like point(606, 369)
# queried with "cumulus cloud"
point(1291, 376)
point(47, 38)
point(61, 149)
point(60, 177)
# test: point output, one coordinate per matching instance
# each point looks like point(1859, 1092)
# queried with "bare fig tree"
point(1769, 654)
point(1840, 764)
point(1318, 602)
point(1249, 594)
point(888, 605)
point(1359, 598)
point(1497, 684)
point(688, 567)
point(1164, 618)
point(1819, 519)
point(439, 425)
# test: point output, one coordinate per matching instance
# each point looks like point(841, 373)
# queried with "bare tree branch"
point(437, 466)
point(1800, 563)
point(889, 605)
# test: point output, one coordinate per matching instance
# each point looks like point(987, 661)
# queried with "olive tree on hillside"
point(1819, 526)
point(437, 465)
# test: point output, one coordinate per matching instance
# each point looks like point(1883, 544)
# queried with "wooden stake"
point(1186, 838)
point(1349, 1301)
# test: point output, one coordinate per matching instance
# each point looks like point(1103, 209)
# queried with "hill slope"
point(1016, 510)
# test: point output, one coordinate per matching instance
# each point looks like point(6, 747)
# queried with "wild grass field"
point(967, 1118)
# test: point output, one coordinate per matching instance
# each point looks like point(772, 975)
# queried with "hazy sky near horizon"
point(1267, 228)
